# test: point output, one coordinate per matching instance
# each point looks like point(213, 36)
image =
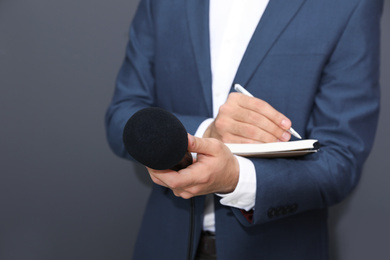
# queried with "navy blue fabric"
point(315, 61)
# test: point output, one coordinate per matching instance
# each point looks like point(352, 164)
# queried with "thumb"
point(201, 145)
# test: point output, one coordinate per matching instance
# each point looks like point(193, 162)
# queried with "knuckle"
point(224, 109)
point(233, 96)
point(182, 195)
point(220, 124)
point(186, 196)
point(194, 190)
point(174, 185)
point(205, 179)
point(261, 104)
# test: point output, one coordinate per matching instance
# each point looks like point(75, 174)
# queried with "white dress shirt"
point(232, 24)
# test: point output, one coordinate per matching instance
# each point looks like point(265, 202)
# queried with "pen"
point(242, 90)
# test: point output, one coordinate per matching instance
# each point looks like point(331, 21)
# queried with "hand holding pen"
point(242, 90)
point(244, 119)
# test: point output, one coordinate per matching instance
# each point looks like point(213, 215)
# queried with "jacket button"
point(278, 211)
point(271, 213)
point(294, 207)
point(285, 210)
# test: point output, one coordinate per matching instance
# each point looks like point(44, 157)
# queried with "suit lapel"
point(198, 26)
point(276, 17)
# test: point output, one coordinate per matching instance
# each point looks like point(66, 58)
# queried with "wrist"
point(233, 178)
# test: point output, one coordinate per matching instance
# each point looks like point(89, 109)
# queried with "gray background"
point(63, 194)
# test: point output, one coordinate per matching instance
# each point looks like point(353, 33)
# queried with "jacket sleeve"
point(344, 119)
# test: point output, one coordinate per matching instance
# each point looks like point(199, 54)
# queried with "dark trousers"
point(206, 249)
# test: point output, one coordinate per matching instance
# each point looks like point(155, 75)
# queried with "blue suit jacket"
point(315, 61)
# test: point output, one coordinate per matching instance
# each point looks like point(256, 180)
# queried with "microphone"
point(157, 139)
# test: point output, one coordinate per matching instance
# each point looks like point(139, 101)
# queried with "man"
point(310, 63)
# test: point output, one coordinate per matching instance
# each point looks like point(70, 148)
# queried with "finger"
point(259, 128)
point(197, 186)
point(183, 194)
point(247, 134)
point(261, 107)
point(157, 176)
point(158, 181)
point(249, 125)
point(183, 183)
point(174, 180)
point(208, 146)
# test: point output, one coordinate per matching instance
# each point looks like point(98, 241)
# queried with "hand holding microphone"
point(157, 139)
point(215, 170)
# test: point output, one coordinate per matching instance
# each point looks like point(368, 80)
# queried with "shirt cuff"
point(203, 127)
point(244, 196)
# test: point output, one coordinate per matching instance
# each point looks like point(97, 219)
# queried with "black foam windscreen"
point(156, 138)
